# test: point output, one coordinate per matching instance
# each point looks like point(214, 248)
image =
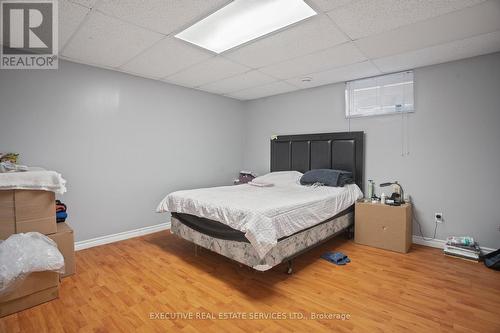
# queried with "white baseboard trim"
point(85, 244)
point(439, 243)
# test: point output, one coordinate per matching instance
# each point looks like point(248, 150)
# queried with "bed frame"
point(342, 150)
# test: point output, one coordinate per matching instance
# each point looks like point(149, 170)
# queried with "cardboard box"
point(37, 288)
point(66, 244)
point(383, 226)
point(27, 210)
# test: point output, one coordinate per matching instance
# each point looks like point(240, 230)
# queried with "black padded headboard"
point(303, 152)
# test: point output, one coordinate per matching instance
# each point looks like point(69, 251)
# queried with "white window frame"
point(405, 77)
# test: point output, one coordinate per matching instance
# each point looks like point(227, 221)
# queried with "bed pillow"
point(328, 177)
point(279, 178)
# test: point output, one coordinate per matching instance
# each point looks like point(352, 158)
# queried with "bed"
point(262, 227)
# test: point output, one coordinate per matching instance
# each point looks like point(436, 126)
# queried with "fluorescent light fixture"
point(244, 20)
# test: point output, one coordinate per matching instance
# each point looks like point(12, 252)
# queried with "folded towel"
point(8, 166)
point(61, 215)
point(33, 179)
point(60, 206)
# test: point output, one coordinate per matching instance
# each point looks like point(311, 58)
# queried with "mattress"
point(210, 228)
point(264, 214)
point(221, 231)
point(285, 249)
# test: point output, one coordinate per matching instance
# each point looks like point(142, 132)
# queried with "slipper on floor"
point(337, 258)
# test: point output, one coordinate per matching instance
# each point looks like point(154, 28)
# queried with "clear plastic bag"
point(22, 254)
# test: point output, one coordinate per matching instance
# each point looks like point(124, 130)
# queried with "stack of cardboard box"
point(31, 210)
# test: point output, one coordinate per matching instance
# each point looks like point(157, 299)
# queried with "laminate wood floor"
point(156, 282)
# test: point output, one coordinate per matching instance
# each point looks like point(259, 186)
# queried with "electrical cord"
point(481, 254)
point(420, 228)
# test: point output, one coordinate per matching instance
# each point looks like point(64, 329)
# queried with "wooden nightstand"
point(383, 226)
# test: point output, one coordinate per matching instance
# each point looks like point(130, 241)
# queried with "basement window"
point(380, 95)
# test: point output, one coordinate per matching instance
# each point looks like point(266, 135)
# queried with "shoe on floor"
point(337, 258)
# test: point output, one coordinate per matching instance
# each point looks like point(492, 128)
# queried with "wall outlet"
point(438, 217)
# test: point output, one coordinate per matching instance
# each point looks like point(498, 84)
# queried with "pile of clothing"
point(8, 163)
point(61, 214)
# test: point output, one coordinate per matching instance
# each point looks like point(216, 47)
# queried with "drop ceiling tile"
point(239, 82)
point(461, 24)
point(70, 17)
point(341, 74)
point(274, 88)
point(107, 41)
point(314, 34)
point(368, 17)
point(165, 58)
point(336, 56)
point(163, 16)
point(406, 34)
point(327, 5)
point(208, 71)
point(465, 48)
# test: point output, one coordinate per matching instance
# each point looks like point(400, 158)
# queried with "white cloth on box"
point(22, 254)
point(264, 214)
point(33, 179)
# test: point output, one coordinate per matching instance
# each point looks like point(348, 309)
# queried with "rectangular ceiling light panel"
point(244, 20)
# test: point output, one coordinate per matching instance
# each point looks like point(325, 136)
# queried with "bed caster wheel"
point(289, 269)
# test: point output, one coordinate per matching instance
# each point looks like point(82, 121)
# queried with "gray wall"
point(121, 142)
point(453, 139)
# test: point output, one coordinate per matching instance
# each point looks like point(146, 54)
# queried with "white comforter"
point(34, 179)
point(264, 214)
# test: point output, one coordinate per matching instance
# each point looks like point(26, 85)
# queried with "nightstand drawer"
point(383, 226)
